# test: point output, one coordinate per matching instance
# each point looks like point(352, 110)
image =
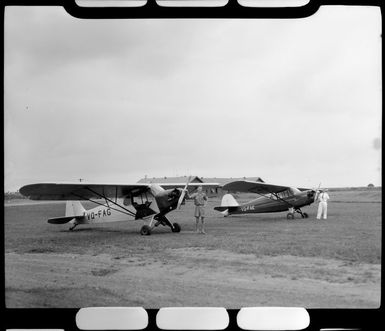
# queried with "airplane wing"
point(81, 191)
point(195, 185)
point(304, 189)
point(254, 187)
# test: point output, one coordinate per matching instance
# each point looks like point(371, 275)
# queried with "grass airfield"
point(248, 260)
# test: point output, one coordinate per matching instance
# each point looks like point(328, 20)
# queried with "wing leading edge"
point(81, 191)
point(195, 185)
point(254, 187)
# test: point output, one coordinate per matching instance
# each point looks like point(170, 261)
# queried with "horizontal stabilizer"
point(74, 210)
point(224, 208)
point(60, 220)
point(221, 209)
point(228, 204)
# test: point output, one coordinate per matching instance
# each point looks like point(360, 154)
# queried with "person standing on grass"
point(322, 198)
point(200, 199)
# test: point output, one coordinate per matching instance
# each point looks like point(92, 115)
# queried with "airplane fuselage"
point(143, 207)
point(273, 204)
point(103, 214)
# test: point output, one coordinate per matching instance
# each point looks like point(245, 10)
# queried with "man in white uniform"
point(323, 198)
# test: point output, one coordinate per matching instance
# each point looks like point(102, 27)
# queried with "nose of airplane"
point(310, 194)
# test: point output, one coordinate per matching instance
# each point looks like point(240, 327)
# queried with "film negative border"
point(319, 319)
point(232, 9)
point(66, 319)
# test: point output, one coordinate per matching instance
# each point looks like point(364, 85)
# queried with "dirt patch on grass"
point(330, 270)
point(181, 276)
point(103, 272)
point(41, 250)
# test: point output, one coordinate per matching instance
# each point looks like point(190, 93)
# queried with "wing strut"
point(107, 201)
point(124, 211)
point(278, 198)
point(104, 205)
point(116, 204)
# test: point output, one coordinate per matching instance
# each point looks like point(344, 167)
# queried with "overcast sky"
point(296, 102)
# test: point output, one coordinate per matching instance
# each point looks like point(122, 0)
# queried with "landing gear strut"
point(159, 220)
point(73, 227)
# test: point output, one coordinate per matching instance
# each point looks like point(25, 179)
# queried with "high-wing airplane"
point(272, 198)
point(116, 202)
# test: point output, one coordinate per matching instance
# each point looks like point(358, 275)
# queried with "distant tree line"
point(13, 195)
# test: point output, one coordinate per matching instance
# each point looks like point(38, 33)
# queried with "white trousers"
point(322, 210)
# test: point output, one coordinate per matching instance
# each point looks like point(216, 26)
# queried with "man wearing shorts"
point(200, 199)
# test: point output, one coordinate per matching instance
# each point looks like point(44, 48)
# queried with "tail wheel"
point(175, 227)
point(290, 216)
point(305, 215)
point(145, 230)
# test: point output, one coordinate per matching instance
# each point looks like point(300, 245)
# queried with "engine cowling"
point(311, 194)
point(167, 200)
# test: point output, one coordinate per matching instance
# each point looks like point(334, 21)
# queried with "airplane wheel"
point(176, 227)
point(290, 216)
point(305, 215)
point(145, 230)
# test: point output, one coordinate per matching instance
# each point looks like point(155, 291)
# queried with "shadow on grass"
point(135, 232)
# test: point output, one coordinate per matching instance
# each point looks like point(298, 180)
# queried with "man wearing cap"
point(200, 199)
point(322, 198)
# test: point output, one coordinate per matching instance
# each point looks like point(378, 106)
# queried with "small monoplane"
point(116, 202)
point(272, 199)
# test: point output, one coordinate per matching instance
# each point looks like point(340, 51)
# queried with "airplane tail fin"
point(228, 202)
point(74, 209)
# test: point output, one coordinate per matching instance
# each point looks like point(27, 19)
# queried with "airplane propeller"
point(311, 193)
point(314, 191)
point(183, 193)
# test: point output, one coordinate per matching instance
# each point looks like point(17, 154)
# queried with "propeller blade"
point(183, 193)
point(181, 199)
point(315, 192)
point(316, 189)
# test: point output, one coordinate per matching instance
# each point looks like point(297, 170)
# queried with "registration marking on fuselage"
point(100, 213)
point(247, 208)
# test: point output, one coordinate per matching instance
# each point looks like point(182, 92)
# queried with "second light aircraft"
point(272, 199)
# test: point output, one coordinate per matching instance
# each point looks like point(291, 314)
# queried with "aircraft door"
point(143, 204)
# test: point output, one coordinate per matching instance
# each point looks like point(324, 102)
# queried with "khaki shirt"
point(199, 198)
